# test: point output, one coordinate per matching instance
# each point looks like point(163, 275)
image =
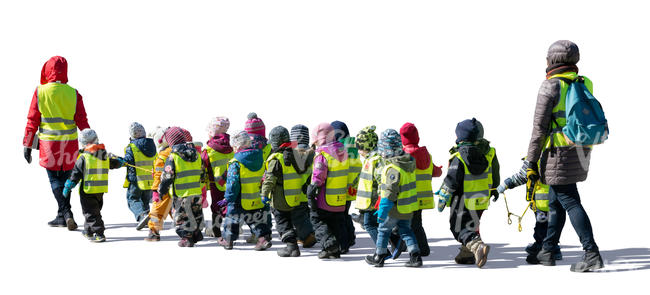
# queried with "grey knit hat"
point(136, 130)
point(390, 144)
point(563, 52)
point(278, 136)
point(300, 135)
point(241, 140)
point(87, 136)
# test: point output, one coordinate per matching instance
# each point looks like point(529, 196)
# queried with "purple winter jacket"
point(319, 174)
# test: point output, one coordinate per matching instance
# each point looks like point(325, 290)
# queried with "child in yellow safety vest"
point(91, 169)
point(398, 200)
point(472, 178)
point(541, 196)
point(183, 175)
point(369, 178)
point(141, 153)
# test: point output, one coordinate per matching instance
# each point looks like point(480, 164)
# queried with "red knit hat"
point(255, 125)
point(176, 135)
point(409, 134)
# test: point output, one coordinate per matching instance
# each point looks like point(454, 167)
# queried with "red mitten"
point(155, 196)
point(437, 171)
point(204, 199)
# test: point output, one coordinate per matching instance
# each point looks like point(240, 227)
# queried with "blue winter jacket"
point(253, 160)
point(146, 146)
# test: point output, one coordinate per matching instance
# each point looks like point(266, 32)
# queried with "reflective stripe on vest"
point(542, 197)
point(336, 186)
point(559, 111)
point(477, 187)
point(219, 164)
point(365, 193)
point(407, 200)
point(144, 178)
point(424, 188)
point(292, 182)
point(187, 182)
point(95, 174)
point(58, 104)
point(250, 186)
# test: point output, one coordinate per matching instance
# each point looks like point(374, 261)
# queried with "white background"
point(362, 62)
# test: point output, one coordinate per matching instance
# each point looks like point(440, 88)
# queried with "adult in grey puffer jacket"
point(561, 167)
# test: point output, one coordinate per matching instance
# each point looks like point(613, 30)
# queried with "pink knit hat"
point(323, 133)
point(255, 125)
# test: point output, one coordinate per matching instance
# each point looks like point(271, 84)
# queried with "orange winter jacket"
point(158, 166)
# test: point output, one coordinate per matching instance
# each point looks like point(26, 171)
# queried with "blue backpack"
point(585, 120)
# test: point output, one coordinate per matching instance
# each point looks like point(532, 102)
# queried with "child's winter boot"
point(290, 251)
point(332, 252)
point(480, 251)
point(57, 222)
point(465, 256)
point(545, 257)
point(263, 243)
point(228, 245)
point(153, 236)
point(186, 242)
point(415, 260)
point(590, 261)
point(377, 259)
point(69, 222)
point(99, 238)
point(144, 220)
point(87, 235)
point(252, 239)
point(309, 241)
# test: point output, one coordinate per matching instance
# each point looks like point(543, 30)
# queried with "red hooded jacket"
point(410, 141)
point(54, 155)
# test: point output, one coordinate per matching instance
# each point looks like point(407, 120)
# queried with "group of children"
point(307, 186)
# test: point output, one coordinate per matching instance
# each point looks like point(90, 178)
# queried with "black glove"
point(28, 155)
point(495, 195)
point(312, 192)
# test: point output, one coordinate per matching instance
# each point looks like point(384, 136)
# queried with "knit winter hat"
point(158, 137)
point(278, 136)
point(87, 136)
point(176, 135)
point(409, 134)
point(241, 140)
point(136, 130)
point(218, 125)
point(390, 144)
point(563, 52)
point(255, 125)
point(340, 129)
point(367, 139)
point(300, 135)
point(469, 131)
point(323, 133)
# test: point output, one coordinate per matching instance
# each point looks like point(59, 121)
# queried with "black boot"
point(57, 222)
point(415, 260)
point(532, 250)
point(377, 259)
point(330, 253)
point(465, 256)
point(546, 257)
point(290, 251)
point(590, 261)
point(143, 221)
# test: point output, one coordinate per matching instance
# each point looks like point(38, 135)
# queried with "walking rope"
point(530, 197)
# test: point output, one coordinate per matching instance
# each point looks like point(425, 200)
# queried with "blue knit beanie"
point(469, 130)
point(340, 130)
point(390, 144)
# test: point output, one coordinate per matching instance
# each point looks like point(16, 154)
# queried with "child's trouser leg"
point(284, 226)
point(327, 227)
point(407, 235)
point(91, 206)
point(231, 226)
point(187, 216)
point(383, 234)
point(258, 221)
point(541, 226)
point(420, 234)
point(301, 222)
point(159, 212)
point(464, 224)
point(134, 200)
point(370, 223)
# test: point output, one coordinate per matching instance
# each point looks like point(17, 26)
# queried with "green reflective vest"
point(336, 186)
point(188, 177)
point(219, 164)
point(95, 174)
point(557, 137)
point(292, 181)
point(145, 179)
point(58, 104)
point(424, 188)
point(365, 193)
point(541, 197)
point(251, 181)
point(266, 151)
point(477, 187)
point(407, 200)
point(355, 170)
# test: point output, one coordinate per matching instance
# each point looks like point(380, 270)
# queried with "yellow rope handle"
point(531, 204)
point(136, 167)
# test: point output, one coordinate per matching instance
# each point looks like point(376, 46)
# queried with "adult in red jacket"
point(56, 112)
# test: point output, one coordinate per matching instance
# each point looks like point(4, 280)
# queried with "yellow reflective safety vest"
point(95, 174)
point(424, 188)
point(145, 179)
point(266, 151)
point(365, 190)
point(336, 186)
point(57, 103)
point(250, 181)
point(557, 137)
point(541, 197)
point(355, 170)
point(292, 181)
point(407, 200)
point(219, 164)
point(188, 177)
point(476, 188)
